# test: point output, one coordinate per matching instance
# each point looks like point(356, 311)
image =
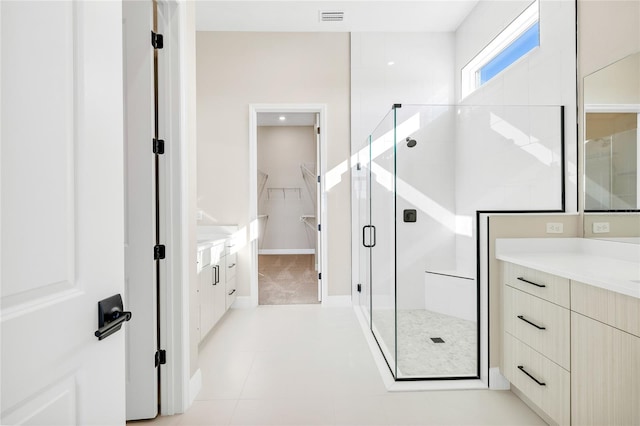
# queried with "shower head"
point(411, 142)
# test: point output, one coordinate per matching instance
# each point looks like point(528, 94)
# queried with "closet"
point(287, 209)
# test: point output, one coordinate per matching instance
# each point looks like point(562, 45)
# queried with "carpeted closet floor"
point(287, 279)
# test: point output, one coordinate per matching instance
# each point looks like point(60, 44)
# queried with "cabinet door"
point(605, 374)
point(205, 280)
point(219, 292)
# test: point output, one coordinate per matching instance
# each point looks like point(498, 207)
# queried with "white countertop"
point(210, 242)
point(610, 265)
point(209, 236)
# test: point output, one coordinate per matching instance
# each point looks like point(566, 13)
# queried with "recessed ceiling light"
point(282, 118)
point(390, 63)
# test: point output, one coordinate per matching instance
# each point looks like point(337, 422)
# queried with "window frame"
point(470, 73)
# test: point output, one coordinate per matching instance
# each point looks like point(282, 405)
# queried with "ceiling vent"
point(331, 16)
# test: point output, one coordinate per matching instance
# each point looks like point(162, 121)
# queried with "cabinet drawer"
point(231, 264)
point(541, 380)
point(231, 292)
point(540, 324)
point(546, 286)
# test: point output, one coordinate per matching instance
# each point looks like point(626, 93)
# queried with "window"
point(515, 41)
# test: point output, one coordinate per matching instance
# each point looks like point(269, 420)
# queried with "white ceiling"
point(292, 119)
point(303, 15)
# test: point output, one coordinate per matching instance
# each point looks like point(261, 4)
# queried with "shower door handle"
point(364, 236)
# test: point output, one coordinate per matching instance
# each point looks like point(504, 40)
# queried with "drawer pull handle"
point(232, 265)
point(232, 291)
point(531, 282)
point(531, 323)
point(521, 368)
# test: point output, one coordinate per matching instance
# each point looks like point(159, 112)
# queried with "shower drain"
point(437, 340)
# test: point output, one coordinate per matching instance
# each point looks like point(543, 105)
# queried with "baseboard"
point(337, 301)
point(195, 384)
point(287, 251)
point(497, 381)
point(244, 302)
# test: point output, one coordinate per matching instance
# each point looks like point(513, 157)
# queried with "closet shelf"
point(308, 170)
point(262, 181)
point(310, 179)
point(284, 193)
point(309, 220)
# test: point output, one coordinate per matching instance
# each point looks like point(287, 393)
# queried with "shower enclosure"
point(419, 181)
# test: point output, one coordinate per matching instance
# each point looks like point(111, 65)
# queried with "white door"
point(140, 222)
point(61, 211)
point(318, 208)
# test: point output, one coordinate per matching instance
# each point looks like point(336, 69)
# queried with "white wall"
point(545, 76)
point(190, 152)
point(281, 151)
point(475, 169)
point(422, 73)
point(235, 69)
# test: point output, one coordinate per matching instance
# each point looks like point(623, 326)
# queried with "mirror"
point(611, 154)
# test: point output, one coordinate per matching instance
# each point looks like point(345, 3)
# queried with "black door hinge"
point(318, 179)
point(358, 166)
point(158, 146)
point(318, 130)
point(161, 357)
point(159, 252)
point(320, 276)
point(359, 288)
point(157, 41)
point(319, 227)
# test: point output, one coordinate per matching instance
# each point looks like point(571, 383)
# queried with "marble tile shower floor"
point(418, 355)
point(311, 365)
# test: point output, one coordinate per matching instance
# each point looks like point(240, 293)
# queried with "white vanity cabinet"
point(216, 282)
point(210, 257)
point(571, 328)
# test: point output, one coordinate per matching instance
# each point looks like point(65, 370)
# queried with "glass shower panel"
point(450, 163)
point(428, 171)
point(379, 235)
point(435, 303)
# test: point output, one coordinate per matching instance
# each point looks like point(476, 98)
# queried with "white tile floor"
point(309, 365)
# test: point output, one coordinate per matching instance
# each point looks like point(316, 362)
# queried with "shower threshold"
point(411, 384)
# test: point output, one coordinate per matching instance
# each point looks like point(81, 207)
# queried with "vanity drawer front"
point(540, 324)
point(546, 286)
point(541, 380)
point(232, 266)
point(615, 309)
point(231, 292)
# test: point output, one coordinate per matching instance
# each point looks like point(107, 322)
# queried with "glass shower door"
point(379, 236)
point(362, 176)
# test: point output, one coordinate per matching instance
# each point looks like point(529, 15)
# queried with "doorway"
point(287, 203)
point(287, 148)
